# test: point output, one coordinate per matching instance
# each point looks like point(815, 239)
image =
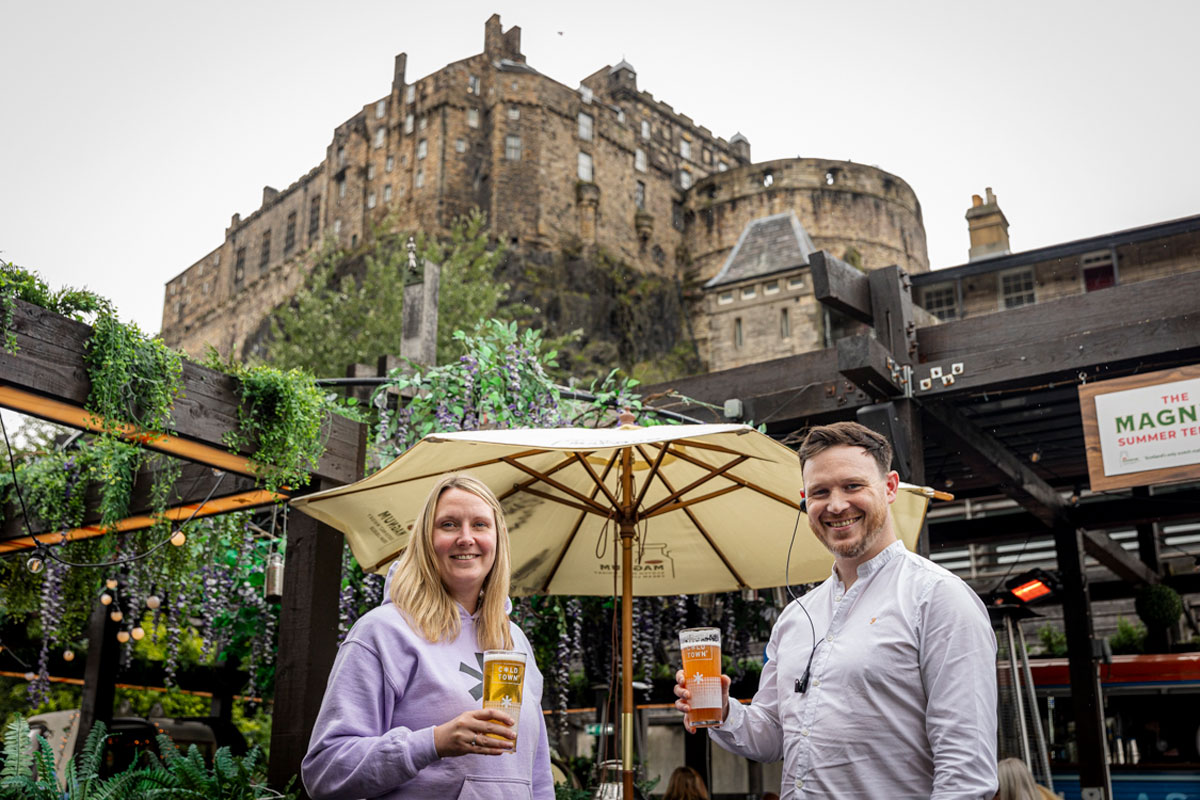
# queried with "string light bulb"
point(111, 583)
point(152, 602)
point(35, 564)
point(122, 636)
point(178, 538)
point(105, 599)
point(137, 633)
point(68, 655)
point(116, 615)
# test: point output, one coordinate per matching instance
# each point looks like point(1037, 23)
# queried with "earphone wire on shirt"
point(802, 683)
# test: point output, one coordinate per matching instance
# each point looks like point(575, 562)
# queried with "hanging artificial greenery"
point(17, 283)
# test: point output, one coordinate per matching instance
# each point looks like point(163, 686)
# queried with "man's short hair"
point(850, 434)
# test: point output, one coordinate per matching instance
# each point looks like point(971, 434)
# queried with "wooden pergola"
point(968, 403)
point(46, 377)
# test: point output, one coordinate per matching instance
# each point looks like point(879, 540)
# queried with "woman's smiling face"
point(464, 544)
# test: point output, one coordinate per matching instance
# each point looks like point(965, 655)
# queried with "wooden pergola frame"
point(46, 377)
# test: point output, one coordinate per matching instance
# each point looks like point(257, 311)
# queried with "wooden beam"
point(892, 311)
point(100, 672)
point(1100, 546)
point(988, 456)
point(840, 286)
point(46, 377)
point(869, 365)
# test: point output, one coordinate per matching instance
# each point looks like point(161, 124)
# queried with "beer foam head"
point(503, 655)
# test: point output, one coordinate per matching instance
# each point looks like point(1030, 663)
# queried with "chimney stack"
point(988, 228)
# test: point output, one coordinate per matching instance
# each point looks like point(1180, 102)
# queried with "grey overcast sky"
point(133, 129)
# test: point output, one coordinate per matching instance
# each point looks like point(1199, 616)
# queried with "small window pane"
point(410, 93)
point(473, 117)
point(460, 145)
point(387, 193)
point(585, 127)
point(639, 160)
point(585, 167)
point(724, 298)
point(941, 301)
point(422, 149)
point(514, 112)
point(770, 287)
point(1017, 288)
point(639, 195)
point(685, 179)
point(408, 123)
point(785, 324)
point(685, 148)
point(371, 200)
point(512, 148)
point(645, 129)
point(380, 109)
point(748, 292)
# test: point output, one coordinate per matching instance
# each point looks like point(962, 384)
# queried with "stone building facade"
point(602, 166)
point(996, 279)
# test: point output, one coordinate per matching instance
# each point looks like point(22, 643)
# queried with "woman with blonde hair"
point(1016, 782)
point(686, 784)
point(402, 716)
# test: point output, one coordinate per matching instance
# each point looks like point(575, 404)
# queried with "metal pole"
point(1017, 690)
point(627, 528)
point(1043, 753)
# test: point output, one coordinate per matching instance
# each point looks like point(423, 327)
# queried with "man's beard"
point(873, 520)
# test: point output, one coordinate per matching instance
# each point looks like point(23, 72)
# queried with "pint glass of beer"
point(701, 651)
point(503, 675)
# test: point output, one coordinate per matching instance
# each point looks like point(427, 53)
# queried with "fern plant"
point(176, 776)
point(29, 770)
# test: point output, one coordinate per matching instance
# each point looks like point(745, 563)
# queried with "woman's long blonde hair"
point(1016, 782)
point(417, 588)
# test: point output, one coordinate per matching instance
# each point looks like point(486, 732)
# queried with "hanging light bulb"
point(105, 599)
point(68, 655)
point(152, 602)
point(137, 633)
point(111, 583)
point(178, 538)
point(29, 676)
point(116, 615)
point(35, 564)
point(122, 636)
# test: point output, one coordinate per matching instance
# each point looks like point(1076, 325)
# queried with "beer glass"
point(503, 676)
point(701, 651)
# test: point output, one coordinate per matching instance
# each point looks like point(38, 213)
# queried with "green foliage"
point(135, 379)
point(230, 777)
point(1158, 606)
point(281, 418)
point(1054, 641)
point(17, 283)
point(1129, 638)
point(350, 311)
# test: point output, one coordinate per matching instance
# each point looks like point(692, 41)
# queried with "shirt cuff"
point(735, 717)
point(422, 749)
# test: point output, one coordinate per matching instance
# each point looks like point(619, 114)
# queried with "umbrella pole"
point(627, 529)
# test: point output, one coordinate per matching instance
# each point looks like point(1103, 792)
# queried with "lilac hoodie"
point(388, 689)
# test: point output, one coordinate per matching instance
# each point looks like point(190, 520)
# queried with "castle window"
point(796, 283)
point(639, 195)
point(422, 123)
point(289, 239)
point(585, 167)
point(354, 240)
point(585, 94)
point(722, 166)
point(314, 218)
point(771, 287)
point(473, 117)
point(724, 298)
point(512, 148)
point(514, 112)
point(1017, 288)
point(387, 193)
point(422, 149)
point(785, 324)
point(206, 288)
point(337, 227)
point(371, 200)
point(685, 179)
point(410, 93)
point(389, 164)
point(370, 171)
point(1098, 270)
point(941, 301)
point(473, 84)
point(408, 123)
point(420, 178)
point(585, 126)
point(677, 215)
point(380, 136)
point(639, 160)
point(239, 269)
point(341, 156)
point(685, 149)
point(748, 292)
point(620, 116)
point(216, 259)
point(342, 188)
point(460, 145)
point(265, 255)
point(645, 129)
point(380, 109)
point(738, 339)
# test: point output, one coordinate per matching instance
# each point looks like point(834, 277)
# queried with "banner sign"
point(1143, 429)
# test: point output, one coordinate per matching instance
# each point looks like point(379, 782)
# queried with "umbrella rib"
point(517, 487)
point(595, 508)
point(662, 452)
point(583, 462)
point(707, 538)
point(675, 495)
point(575, 529)
point(544, 477)
point(743, 482)
point(681, 504)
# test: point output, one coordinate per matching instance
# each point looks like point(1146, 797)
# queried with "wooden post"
point(1158, 639)
point(308, 626)
point(418, 341)
point(100, 673)
point(1086, 699)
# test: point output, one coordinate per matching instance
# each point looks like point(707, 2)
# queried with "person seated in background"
point(686, 784)
point(1016, 782)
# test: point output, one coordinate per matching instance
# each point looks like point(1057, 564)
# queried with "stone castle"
point(600, 168)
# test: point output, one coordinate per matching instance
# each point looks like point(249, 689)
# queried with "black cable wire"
point(13, 466)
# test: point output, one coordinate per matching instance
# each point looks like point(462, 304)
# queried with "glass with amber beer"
point(701, 651)
point(503, 675)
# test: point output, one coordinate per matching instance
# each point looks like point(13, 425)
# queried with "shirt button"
point(829, 638)
point(816, 683)
point(804, 731)
point(837, 598)
point(799, 784)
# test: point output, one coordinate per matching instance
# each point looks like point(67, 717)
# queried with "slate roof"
point(767, 245)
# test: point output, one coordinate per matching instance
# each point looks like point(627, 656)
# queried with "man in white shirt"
point(880, 682)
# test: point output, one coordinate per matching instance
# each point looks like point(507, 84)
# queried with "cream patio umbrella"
point(673, 509)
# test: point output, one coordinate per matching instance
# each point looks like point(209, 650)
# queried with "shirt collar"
point(876, 563)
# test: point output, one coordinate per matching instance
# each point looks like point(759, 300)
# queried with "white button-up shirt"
point(901, 701)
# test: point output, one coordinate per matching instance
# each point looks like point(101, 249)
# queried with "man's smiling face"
point(848, 502)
